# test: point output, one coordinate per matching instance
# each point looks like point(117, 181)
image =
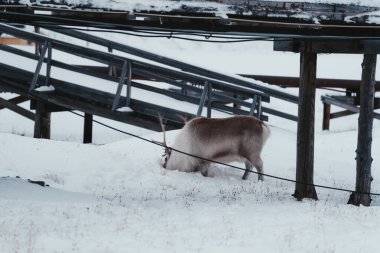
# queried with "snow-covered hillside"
point(116, 197)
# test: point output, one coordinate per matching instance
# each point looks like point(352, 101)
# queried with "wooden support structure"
point(11, 104)
point(115, 104)
point(326, 116)
point(305, 136)
point(209, 100)
point(111, 68)
point(293, 82)
point(242, 17)
point(202, 99)
point(87, 129)
point(305, 132)
point(42, 121)
point(348, 103)
point(17, 100)
point(364, 178)
point(37, 46)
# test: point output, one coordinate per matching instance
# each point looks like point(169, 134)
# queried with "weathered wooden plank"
point(13, 41)
point(344, 113)
point(305, 132)
point(42, 122)
point(290, 10)
point(195, 70)
point(143, 114)
point(167, 75)
point(331, 46)
point(238, 19)
point(171, 79)
point(87, 128)
point(16, 100)
point(326, 116)
point(286, 81)
point(15, 108)
point(364, 159)
point(346, 105)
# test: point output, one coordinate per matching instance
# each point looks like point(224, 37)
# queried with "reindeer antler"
point(166, 148)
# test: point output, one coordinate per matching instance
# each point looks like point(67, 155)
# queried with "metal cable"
point(225, 164)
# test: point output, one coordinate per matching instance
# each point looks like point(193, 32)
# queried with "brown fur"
point(238, 138)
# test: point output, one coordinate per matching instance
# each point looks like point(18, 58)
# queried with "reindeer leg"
point(259, 167)
point(248, 169)
point(204, 168)
point(258, 163)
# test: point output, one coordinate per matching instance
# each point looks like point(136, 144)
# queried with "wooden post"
point(326, 116)
point(209, 100)
point(363, 152)
point(42, 122)
point(111, 68)
point(234, 105)
point(87, 130)
point(306, 117)
point(37, 46)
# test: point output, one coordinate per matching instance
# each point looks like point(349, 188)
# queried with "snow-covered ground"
point(116, 197)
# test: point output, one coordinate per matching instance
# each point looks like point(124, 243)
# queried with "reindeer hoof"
point(204, 173)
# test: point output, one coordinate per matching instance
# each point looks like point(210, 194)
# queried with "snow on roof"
point(169, 4)
point(368, 11)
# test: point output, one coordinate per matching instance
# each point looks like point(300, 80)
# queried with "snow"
point(27, 191)
point(137, 205)
point(166, 5)
point(48, 88)
point(221, 9)
point(125, 109)
point(114, 196)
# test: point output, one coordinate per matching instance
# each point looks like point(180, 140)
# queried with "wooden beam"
point(13, 41)
point(87, 129)
point(344, 113)
point(42, 122)
point(16, 100)
point(305, 132)
point(346, 105)
point(326, 116)
point(283, 81)
point(331, 46)
point(364, 178)
point(15, 108)
point(286, 81)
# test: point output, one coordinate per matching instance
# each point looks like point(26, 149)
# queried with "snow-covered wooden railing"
point(310, 10)
point(214, 90)
point(233, 16)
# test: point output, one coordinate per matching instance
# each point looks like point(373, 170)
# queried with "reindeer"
point(225, 140)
